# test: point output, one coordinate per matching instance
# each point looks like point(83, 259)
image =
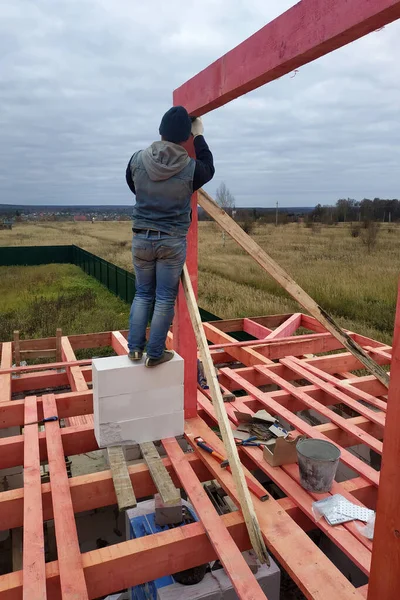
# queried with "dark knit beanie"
point(176, 125)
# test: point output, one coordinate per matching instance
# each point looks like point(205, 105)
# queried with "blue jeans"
point(158, 260)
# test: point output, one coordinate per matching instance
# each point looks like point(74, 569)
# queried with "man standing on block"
point(163, 177)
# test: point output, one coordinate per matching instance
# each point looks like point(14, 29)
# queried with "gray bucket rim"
point(318, 442)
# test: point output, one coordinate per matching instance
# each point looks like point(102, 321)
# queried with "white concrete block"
point(140, 430)
point(133, 404)
point(140, 404)
point(115, 375)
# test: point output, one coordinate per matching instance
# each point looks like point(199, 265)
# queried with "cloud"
point(83, 84)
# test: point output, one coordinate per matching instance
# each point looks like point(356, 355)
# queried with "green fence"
point(35, 255)
point(118, 281)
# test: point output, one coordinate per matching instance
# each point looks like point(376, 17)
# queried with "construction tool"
point(253, 487)
point(43, 421)
point(250, 441)
point(202, 444)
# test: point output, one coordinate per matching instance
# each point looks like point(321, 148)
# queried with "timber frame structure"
point(306, 377)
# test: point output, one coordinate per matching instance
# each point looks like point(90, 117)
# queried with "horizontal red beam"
point(308, 30)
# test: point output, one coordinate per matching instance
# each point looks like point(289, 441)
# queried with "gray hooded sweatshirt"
point(163, 178)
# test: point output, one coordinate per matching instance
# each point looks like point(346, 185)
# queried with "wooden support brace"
point(58, 344)
point(122, 483)
point(17, 349)
point(170, 495)
point(233, 457)
point(288, 283)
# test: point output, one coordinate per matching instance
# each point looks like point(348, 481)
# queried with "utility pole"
point(276, 215)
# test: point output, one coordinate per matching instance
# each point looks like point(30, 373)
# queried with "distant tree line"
point(348, 210)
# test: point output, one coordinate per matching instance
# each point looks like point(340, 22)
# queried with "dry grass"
point(333, 267)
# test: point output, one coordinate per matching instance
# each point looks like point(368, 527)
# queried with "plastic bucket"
point(318, 462)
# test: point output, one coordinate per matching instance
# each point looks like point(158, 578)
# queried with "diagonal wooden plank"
point(287, 328)
point(169, 493)
point(255, 329)
point(34, 574)
point(245, 499)
point(229, 554)
point(72, 580)
point(288, 283)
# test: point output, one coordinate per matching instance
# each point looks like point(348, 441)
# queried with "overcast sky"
point(84, 83)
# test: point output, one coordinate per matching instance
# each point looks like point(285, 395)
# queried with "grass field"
point(37, 300)
point(334, 268)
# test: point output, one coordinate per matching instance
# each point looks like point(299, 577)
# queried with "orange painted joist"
point(34, 575)
point(69, 404)
point(359, 435)
point(136, 561)
point(78, 439)
point(349, 459)
point(96, 490)
point(347, 386)
point(72, 580)
point(337, 395)
point(347, 538)
point(238, 571)
point(312, 571)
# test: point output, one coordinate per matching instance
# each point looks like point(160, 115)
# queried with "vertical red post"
point(384, 581)
point(184, 339)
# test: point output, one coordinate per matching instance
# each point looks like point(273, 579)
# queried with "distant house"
point(80, 218)
point(6, 225)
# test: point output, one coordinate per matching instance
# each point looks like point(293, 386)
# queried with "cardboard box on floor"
point(281, 451)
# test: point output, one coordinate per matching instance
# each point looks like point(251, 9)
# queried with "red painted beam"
point(308, 30)
point(385, 570)
point(184, 341)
